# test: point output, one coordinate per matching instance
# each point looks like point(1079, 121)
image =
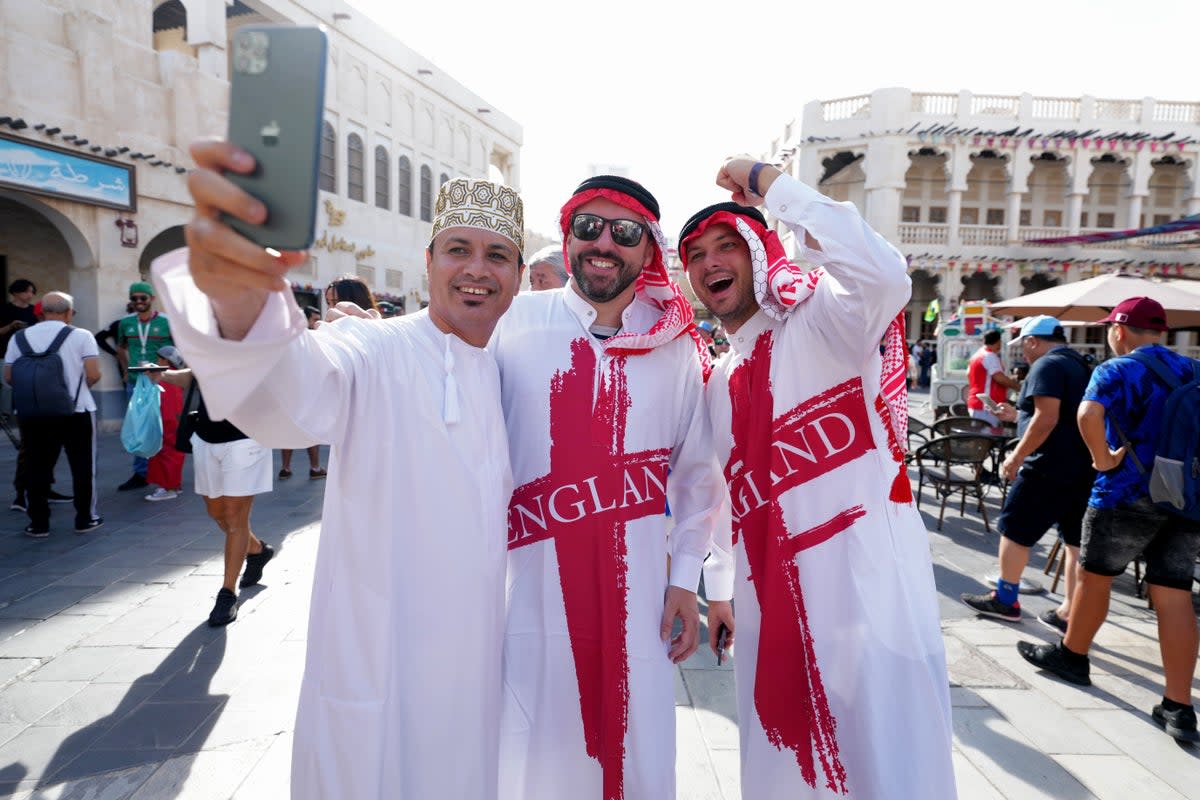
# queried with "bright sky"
point(669, 88)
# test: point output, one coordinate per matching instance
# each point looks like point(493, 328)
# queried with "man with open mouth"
point(840, 670)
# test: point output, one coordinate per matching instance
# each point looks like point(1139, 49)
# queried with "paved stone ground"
point(112, 685)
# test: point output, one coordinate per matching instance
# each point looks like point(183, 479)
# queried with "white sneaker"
point(162, 494)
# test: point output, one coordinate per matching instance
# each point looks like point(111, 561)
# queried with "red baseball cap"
point(1139, 312)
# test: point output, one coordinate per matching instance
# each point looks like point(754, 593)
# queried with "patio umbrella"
point(1090, 300)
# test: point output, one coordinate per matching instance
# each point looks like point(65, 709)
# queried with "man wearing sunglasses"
point(139, 336)
point(840, 670)
point(602, 385)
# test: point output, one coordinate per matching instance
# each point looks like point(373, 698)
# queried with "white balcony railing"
point(1056, 108)
point(1177, 112)
point(983, 234)
point(846, 108)
point(1124, 110)
point(923, 233)
point(935, 104)
point(994, 105)
point(1027, 233)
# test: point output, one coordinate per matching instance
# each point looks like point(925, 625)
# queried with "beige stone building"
point(962, 183)
point(106, 95)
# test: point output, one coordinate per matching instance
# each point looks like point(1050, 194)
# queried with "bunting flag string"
point(989, 264)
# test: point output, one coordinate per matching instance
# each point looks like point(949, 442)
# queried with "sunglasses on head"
point(138, 298)
point(625, 232)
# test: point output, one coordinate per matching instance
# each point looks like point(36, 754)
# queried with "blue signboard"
point(56, 172)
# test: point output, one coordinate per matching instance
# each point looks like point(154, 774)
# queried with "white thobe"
point(401, 690)
point(851, 640)
point(589, 692)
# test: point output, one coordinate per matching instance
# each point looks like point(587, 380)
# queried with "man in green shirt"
point(139, 336)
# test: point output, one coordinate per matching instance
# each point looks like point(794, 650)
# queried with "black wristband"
point(752, 184)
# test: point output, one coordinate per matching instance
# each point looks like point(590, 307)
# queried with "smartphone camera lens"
point(250, 52)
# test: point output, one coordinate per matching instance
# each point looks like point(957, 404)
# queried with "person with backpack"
point(1050, 469)
point(1137, 407)
point(51, 367)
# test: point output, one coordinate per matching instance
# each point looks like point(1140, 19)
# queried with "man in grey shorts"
point(1125, 399)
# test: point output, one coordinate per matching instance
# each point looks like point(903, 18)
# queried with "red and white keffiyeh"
point(653, 285)
point(780, 287)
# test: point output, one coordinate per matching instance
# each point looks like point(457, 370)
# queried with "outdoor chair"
point(1055, 560)
point(954, 463)
point(951, 425)
point(918, 431)
point(1000, 451)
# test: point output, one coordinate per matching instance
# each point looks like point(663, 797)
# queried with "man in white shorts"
point(230, 469)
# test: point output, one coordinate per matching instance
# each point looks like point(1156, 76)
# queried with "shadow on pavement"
point(139, 732)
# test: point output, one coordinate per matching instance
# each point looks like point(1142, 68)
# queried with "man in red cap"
point(602, 383)
point(840, 668)
point(1120, 419)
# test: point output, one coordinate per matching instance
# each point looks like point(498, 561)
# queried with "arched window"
point(354, 167)
point(382, 174)
point(442, 179)
point(404, 187)
point(426, 194)
point(328, 180)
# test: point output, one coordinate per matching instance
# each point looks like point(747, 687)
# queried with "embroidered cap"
point(473, 203)
point(1139, 312)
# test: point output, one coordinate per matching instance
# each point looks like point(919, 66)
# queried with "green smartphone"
point(276, 110)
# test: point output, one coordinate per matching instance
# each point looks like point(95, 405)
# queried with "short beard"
point(625, 276)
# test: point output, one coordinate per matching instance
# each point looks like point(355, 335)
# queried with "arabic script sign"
point(55, 172)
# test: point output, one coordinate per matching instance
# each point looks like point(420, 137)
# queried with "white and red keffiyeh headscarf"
point(653, 285)
point(780, 287)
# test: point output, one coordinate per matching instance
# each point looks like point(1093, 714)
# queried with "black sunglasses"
point(138, 298)
point(625, 232)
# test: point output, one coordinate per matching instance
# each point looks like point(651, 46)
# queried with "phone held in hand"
point(988, 403)
point(276, 112)
point(722, 636)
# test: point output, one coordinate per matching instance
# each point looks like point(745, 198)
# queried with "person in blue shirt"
point(1050, 469)
point(1123, 408)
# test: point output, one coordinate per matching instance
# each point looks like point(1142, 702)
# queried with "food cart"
point(958, 337)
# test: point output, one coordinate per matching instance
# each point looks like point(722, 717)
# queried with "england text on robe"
point(640, 488)
point(820, 434)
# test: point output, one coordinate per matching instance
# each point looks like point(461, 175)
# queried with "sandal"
point(284, 474)
point(316, 474)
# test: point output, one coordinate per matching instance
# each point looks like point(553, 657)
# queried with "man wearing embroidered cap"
point(139, 336)
point(840, 670)
point(1050, 470)
point(1122, 413)
point(401, 693)
point(602, 383)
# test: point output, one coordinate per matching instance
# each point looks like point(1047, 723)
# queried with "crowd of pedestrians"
point(537, 701)
point(1087, 439)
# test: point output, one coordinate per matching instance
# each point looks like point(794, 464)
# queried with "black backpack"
point(38, 382)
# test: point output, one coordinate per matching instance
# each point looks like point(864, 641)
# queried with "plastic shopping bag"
point(142, 431)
